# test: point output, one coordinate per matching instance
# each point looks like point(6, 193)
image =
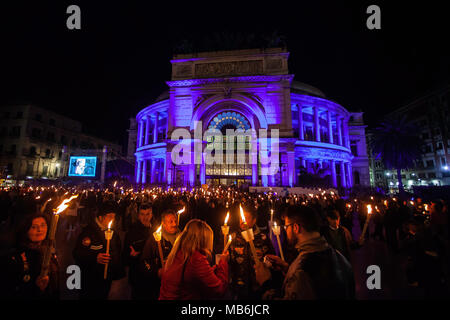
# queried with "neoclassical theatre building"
point(248, 89)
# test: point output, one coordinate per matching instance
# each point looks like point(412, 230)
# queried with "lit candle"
point(276, 231)
point(369, 212)
point(225, 228)
point(157, 235)
point(179, 213)
point(247, 234)
point(228, 244)
point(108, 237)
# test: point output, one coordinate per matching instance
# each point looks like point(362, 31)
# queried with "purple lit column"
point(339, 130)
point(152, 171)
point(147, 126)
point(333, 172)
point(192, 175)
point(300, 122)
point(291, 168)
point(138, 171)
point(203, 170)
point(155, 129)
point(316, 123)
point(348, 167)
point(254, 170)
point(264, 177)
point(330, 127)
point(346, 138)
point(343, 180)
point(139, 137)
point(144, 171)
point(168, 168)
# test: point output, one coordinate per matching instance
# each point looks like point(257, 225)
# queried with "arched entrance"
point(236, 171)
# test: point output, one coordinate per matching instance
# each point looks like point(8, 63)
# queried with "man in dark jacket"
point(90, 255)
point(336, 235)
point(150, 266)
point(318, 272)
point(133, 246)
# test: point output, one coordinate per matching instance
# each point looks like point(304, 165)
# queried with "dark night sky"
point(119, 61)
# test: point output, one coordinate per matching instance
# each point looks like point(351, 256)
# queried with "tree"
point(397, 142)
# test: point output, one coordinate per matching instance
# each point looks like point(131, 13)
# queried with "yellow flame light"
point(242, 214)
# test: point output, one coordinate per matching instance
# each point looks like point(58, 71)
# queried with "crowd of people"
point(170, 244)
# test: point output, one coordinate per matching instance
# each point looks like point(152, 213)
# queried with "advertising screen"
point(82, 166)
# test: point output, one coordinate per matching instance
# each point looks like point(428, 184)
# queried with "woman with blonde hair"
point(188, 274)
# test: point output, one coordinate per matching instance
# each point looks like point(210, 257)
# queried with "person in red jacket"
point(188, 274)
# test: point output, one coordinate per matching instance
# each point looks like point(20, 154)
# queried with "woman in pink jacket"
point(188, 274)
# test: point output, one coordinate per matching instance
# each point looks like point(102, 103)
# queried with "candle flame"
point(159, 229)
point(181, 210)
point(369, 209)
point(230, 238)
point(227, 217)
point(275, 224)
point(242, 214)
point(109, 225)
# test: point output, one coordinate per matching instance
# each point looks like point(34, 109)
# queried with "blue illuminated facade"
point(248, 89)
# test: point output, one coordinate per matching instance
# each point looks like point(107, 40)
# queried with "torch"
point(247, 234)
point(108, 237)
point(271, 223)
point(276, 231)
point(369, 212)
point(225, 229)
point(52, 234)
point(157, 236)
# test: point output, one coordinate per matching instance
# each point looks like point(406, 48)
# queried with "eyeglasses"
point(286, 226)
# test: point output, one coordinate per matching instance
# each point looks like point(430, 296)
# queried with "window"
point(3, 131)
point(36, 133)
point(19, 115)
point(6, 115)
point(443, 161)
point(428, 149)
point(430, 164)
point(45, 170)
point(52, 122)
point(47, 153)
point(15, 131)
point(38, 117)
point(13, 149)
point(50, 136)
point(425, 135)
point(63, 140)
point(30, 167)
point(422, 175)
point(32, 151)
point(439, 146)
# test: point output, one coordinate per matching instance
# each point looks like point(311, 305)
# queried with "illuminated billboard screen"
point(82, 166)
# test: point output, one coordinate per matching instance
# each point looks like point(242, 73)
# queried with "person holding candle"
point(134, 242)
point(150, 264)
point(243, 282)
point(188, 274)
point(22, 269)
point(318, 272)
point(90, 255)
